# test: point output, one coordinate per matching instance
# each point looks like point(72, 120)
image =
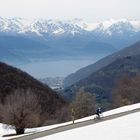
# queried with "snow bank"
point(39, 129)
point(122, 128)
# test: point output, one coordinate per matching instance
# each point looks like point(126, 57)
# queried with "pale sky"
point(93, 10)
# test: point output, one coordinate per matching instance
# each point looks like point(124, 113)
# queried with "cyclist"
point(98, 112)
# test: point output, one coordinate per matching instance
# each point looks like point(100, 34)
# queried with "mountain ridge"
point(86, 71)
point(103, 82)
point(57, 27)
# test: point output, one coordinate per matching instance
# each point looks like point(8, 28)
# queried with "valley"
point(41, 46)
point(69, 69)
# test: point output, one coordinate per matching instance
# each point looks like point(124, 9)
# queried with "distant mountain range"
point(39, 39)
point(42, 27)
point(102, 77)
point(20, 50)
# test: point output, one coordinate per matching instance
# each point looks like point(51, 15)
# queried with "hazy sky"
point(93, 10)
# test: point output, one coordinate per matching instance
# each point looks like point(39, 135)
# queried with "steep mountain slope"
point(102, 82)
point(12, 78)
point(98, 48)
point(85, 72)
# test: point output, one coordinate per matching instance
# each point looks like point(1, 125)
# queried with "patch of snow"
point(59, 31)
point(136, 25)
point(90, 26)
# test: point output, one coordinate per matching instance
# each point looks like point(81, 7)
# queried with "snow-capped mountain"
point(75, 26)
point(37, 39)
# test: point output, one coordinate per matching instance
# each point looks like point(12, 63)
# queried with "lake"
point(54, 68)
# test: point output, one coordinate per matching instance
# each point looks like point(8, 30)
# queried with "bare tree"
point(83, 105)
point(21, 110)
point(63, 114)
point(127, 92)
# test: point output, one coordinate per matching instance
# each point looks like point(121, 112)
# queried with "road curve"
point(73, 126)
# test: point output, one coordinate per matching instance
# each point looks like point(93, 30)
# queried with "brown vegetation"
point(83, 105)
point(12, 79)
point(21, 110)
point(127, 92)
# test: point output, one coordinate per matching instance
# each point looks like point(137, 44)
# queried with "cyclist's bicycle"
point(98, 116)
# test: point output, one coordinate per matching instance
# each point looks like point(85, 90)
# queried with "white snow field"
point(122, 128)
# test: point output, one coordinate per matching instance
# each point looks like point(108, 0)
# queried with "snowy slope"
point(127, 127)
point(58, 27)
point(123, 128)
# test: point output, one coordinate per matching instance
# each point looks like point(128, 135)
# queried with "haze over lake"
point(55, 68)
